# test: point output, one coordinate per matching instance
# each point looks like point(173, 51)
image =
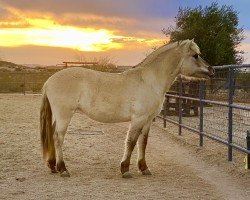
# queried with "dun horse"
point(134, 96)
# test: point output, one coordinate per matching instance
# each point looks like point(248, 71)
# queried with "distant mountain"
point(9, 66)
point(34, 65)
point(12, 67)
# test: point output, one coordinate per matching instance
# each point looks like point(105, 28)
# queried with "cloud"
point(121, 16)
point(86, 32)
point(107, 8)
point(245, 46)
point(56, 55)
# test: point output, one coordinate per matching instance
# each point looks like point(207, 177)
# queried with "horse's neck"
point(162, 72)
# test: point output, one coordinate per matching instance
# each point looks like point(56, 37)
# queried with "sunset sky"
point(49, 32)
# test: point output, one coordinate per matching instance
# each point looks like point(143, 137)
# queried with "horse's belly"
point(107, 117)
point(106, 114)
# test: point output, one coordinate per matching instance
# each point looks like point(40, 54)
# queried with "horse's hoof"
point(53, 171)
point(146, 172)
point(126, 175)
point(65, 174)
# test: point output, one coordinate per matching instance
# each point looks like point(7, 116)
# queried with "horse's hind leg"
point(51, 157)
point(142, 143)
point(60, 131)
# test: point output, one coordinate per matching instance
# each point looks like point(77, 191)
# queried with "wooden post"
point(24, 83)
point(180, 106)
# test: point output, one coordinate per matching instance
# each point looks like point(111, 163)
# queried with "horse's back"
point(65, 82)
point(102, 96)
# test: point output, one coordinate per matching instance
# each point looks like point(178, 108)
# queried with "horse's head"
point(192, 64)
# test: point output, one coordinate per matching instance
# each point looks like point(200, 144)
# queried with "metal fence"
point(218, 109)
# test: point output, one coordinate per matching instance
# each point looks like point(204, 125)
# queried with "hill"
point(9, 66)
point(6, 66)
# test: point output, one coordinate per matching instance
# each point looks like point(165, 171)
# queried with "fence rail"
point(224, 114)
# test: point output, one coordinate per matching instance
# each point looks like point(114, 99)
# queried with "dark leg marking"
point(61, 167)
point(52, 165)
point(142, 147)
point(125, 163)
point(125, 166)
point(142, 165)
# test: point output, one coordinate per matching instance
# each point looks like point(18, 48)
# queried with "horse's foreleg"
point(130, 142)
point(142, 143)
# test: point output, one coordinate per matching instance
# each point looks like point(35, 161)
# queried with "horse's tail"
point(46, 128)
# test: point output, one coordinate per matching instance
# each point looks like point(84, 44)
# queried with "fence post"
point(230, 113)
point(180, 106)
point(165, 113)
point(24, 83)
point(248, 148)
point(201, 97)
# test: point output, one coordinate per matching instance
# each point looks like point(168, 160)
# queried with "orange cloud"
point(30, 28)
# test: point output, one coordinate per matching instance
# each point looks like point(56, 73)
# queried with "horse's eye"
point(196, 56)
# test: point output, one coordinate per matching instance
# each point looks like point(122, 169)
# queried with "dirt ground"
point(181, 169)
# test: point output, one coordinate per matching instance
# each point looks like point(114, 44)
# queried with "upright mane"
point(167, 47)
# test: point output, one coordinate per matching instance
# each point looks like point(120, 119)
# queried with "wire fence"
point(218, 109)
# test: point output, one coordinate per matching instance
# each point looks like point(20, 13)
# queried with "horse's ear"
point(191, 43)
point(193, 46)
point(186, 45)
point(183, 43)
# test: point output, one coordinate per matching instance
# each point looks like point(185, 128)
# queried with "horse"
point(135, 95)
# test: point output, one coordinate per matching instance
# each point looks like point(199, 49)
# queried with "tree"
point(214, 29)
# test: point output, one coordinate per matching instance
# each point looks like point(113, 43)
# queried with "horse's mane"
point(165, 48)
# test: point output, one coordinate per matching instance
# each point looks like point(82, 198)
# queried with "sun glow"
point(45, 32)
point(26, 28)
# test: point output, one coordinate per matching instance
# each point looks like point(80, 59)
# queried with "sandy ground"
point(181, 169)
